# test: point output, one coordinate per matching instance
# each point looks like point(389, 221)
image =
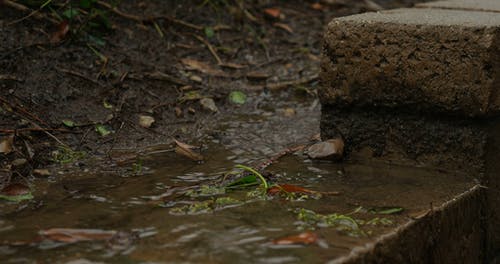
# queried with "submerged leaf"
point(16, 192)
point(70, 235)
point(386, 210)
point(288, 188)
point(305, 238)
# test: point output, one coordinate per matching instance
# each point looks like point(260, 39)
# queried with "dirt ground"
point(85, 85)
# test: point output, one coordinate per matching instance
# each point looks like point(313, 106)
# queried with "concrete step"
point(420, 86)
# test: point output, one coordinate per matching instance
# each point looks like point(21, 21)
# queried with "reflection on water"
point(241, 234)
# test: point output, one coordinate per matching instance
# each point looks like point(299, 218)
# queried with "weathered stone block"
point(476, 5)
point(432, 60)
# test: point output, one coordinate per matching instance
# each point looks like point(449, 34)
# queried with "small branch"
point(148, 19)
point(10, 78)
point(13, 131)
point(77, 74)
point(280, 85)
point(210, 48)
point(23, 8)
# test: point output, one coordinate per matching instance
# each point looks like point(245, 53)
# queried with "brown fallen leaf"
point(273, 12)
point(202, 67)
point(305, 238)
point(178, 112)
point(285, 27)
point(146, 121)
point(6, 144)
point(186, 151)
point(41, 172)
point(317, 6)
point(62, 31)
point(71, 235)
point(15, 189)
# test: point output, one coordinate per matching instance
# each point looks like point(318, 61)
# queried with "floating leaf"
point(68, 123)
point(305, 238)
point(237, 97)
point(186, 151)
point(250, 180)
point(70, 235)
point(102, 130)
point(386, 210)
point(209, 32)
point(16, 192)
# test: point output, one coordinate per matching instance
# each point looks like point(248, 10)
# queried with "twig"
point(23, 8)
point(280, 85)
point(157, 75)
point(25, 112)
point(11, 131)
point(77, 74)
point(148, 19)
point(210, 48)
point(10, 77)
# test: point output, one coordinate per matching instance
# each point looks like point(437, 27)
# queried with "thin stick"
point(280, 85)
point(210, 48)
point(23, 8)
point(12, 131)
point(77, 74)
point(148, 19)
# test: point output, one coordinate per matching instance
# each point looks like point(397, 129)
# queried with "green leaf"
point(17, 198)
point(209, 32)
point(107, 105)
point(387, 211)
point(68, 123)
point(70, 13)
point(237, 97)
point(250, 180)
point(86, 3)
point(102, 130)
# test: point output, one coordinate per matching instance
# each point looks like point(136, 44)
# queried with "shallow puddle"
point(145, 208)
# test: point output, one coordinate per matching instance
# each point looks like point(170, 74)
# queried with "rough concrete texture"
point(432, 60)
point(477, 5)
point(405, 137)
point(450, 234)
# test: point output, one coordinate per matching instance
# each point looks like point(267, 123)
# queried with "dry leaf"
point(285, 27)
point(202, 67)
point(15, 189)
point(332, 148)
point(41, 172)
point(186, 151)
point(273, 12)
point(146, 121)
point(62, 31)
point(6, 145)
point(305, 238)
point(209, 104)
point(178, 112)
point(317, 6)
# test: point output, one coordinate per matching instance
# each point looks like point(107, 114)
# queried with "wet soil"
point(45, 82)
